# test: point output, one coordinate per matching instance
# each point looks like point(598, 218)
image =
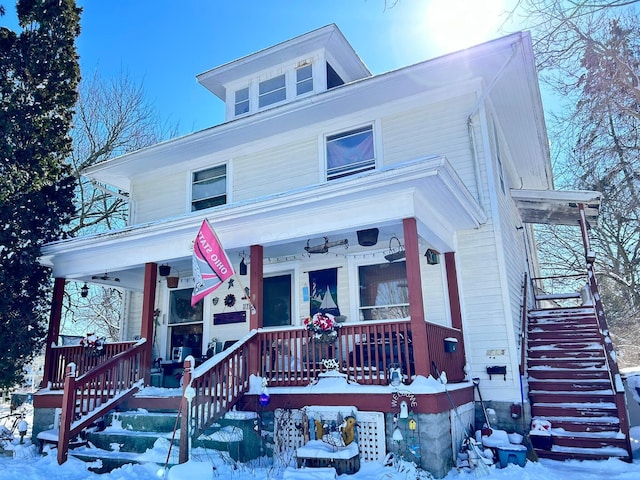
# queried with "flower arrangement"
point(323, 326)
point(94, 346)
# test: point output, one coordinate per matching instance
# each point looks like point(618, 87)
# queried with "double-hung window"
point(350, 152)
point(272, 91)
point(241, 104)
point(209, 188)
point(304, 80)
point(384, 293)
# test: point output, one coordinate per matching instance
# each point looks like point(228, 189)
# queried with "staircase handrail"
point(215, 387)
point(94, 393)
point(523, 324)
point(610, 358)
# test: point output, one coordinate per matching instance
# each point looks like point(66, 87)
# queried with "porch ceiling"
point(556, 207)
point(425, 189)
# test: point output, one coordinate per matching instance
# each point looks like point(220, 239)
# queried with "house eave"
point(557, 207)
point(530, 153)
point(425, 189)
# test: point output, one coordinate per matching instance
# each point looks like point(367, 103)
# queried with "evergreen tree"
point(39, 75)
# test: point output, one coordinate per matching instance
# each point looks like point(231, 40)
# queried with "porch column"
point(454, 293)
point(416, 310)
point(55, 317)
point(146, 330)
point(256, 319)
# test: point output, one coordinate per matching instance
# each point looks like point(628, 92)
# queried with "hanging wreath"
point(230, 300)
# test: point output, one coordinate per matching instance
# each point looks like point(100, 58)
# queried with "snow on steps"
point(570, 385)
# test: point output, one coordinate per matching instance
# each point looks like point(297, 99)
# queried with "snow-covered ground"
point(26, 463)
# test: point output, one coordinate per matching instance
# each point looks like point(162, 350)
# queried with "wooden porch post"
point(422, 360)
point(256, 286)
point(454, 292)
point(256, 319)
point(55, 317)
point(146, 330)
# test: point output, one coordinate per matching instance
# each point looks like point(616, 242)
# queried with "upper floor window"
point(304, 80)
point(272, 91)
point(350, 152)
point(242, 101)
point(209, 188)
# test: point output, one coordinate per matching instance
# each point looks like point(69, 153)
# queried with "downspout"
point(474, 110)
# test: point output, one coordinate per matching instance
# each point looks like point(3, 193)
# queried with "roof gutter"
point(470, 127)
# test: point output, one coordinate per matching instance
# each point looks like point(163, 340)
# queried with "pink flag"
point(211, 266)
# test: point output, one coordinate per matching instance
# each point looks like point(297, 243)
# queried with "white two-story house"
point(401, 203)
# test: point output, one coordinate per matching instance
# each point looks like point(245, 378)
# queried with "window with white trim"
point(241, 101)
point(384, 292)
point(350, 152)
point(304, 80)
point(272, 91)
point(209, 188)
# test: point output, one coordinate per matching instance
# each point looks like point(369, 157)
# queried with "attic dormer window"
point(304, 80)
point(272, 91)
point(242, 101)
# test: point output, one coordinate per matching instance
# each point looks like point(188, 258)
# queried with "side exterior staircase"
point(572, 385)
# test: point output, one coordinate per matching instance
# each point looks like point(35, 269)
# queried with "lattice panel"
point(370, 429)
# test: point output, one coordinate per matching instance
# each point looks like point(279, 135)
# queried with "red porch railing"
point(77, 354)
point(89, 396)
point(364, 351)
point(291, 357)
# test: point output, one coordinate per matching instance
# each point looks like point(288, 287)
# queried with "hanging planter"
point(172, 282)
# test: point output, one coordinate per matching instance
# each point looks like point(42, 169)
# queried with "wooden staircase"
point(571, 385)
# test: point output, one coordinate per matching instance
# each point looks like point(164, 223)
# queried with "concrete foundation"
point(504, 418)
point(429, 445)
point(43, 419)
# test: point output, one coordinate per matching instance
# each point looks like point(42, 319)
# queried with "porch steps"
point(142, 437)
point(571, 387)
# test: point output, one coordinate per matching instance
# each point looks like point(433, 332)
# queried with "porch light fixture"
point(395, 252)
point(84, 291)
point(432, 256)
point(164, 270)
point(324, 247)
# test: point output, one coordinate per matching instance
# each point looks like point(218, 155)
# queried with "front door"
point(277, 300)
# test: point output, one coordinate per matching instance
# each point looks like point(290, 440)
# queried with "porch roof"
point(557, 207)
point(428, 190)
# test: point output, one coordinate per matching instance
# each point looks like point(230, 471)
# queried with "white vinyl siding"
point(158, 198)
point(275, 170)
point(433, 129)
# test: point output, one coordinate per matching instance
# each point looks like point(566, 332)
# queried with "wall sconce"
point(433, 256)
point(243, 265)
point(164, 270)
point(395, 253)
point(84, 291)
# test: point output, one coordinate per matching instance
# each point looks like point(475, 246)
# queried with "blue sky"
point(165, 44)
